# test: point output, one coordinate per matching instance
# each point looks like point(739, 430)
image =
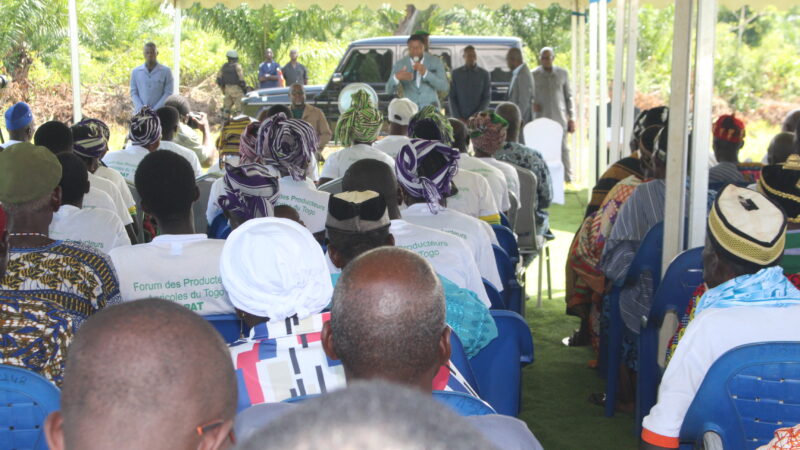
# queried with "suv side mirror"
point(337, 78)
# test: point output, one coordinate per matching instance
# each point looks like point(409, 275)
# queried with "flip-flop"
point(597, 398)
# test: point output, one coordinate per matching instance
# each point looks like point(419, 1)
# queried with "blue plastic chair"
point(219, 228)
point(647, 259)
point(683, 276)
point(231, 327)
point(26, 398)
point(508, 242)
point(463, 404)
point(747, 394)
point(504, 220)
point(458, 357)
point(497, 366)
point(495, 297)
point(512, 291)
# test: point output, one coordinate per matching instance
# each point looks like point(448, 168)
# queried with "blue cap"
point(18, 116)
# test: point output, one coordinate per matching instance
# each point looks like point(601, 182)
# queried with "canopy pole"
point(592, 103)
point(580, 108)
point(677, 148)
point(176, 49)
point(630, 78)
point(573, 41)
point(703, 95)
point(602, 63)
point(77, 114)
point(616, 94)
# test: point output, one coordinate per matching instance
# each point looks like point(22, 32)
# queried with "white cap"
point(401, 110)
point(232, 54)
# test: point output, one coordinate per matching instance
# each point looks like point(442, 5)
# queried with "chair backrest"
point(458, 357)
point(26, 398)
point(219, 228)
point(747, 394)
point(495, 297)
point(497, 366)
point(199, 207)
point(504, 266)
point(513, 209)
point(507, 240)
point(139, 219)
point(332, 187)
point(463, 404)
point(683, 276)
point(504, 220)
point(648, 256)
point(525, 225)
point(545, 135)
point(230, 326)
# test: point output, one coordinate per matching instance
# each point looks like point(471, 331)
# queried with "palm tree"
point(28, 27)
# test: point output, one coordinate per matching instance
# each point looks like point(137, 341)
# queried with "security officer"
point(231, 80)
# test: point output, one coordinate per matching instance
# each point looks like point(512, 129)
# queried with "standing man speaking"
point(420, 74)
point(554, 100)
point(151, 83)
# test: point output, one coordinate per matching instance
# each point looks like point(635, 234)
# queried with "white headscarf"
point(274, 268)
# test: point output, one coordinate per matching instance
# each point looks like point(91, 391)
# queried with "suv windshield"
point(368, 66)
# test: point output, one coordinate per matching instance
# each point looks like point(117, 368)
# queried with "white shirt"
point(183, 268)
point(710, 334)
point(512, 177)
point(472, 230)
point(97, 228)
point(474, 197)
point(213, 209)
point(126, 161)
point(303, 196)
point(338, 163)
point(119, 205)
point(98, 199)
point(186, 153)
point(391, 145)
point(121, 185)
point(495, 177)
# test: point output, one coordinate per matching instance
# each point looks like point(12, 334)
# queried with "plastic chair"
point(513, 209)
point(332, 187)
point(495, 297)
point(504, 220)
point(458, 357)
point(512, 291)
point(219, 228)
point(683, 276)
point(463, 404)
point(26, 398)
point(547, 135)
point(139, 218)
point(647, 259)
point(231, 327)
point(201, 204)
point(508, 242)
point(746, 395)
point(498, 366)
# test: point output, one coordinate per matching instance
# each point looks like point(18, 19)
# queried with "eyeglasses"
point(202, 429)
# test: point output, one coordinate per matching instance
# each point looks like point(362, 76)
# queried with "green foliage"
point(28, 28)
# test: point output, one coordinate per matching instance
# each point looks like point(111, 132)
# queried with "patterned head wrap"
point(91, 138)
point(145, 127)
point(488, 131)
point(729, 128)
point(361, 122)
point(781, 183)
point(649, 117)
point(247, 144)
point(231, 133)
point(251, 191)
point(430, 186)
point(287, 144)
point(429, 114)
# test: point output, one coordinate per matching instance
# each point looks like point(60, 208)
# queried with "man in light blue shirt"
point(421, 75)
point(151, 83)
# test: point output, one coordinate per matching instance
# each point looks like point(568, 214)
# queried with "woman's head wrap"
point(421, 178)
point(274, 268)
point(430, 117)
point(488, 131)
point(781, 183)
point(231, 133)
point(90, 138)
point(361, 122)
point(729, 128)
point(251, 191)
point(287, 144)
point(649, 117)
point(247, 144)
point(145, 128)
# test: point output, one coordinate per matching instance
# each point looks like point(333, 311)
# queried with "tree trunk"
point(407, 24)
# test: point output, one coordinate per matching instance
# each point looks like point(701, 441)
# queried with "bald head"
point(388, 318)
point(781, 146)
point(510, 112)
point(145, 374)
point(374, 175)
point(791, 121)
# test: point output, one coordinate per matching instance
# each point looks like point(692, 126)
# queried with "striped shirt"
point(725, 172)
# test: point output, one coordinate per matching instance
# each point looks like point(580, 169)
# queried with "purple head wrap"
point(430, 186)
point(251, 191)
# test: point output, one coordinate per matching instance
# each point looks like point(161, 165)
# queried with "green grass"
point(556, 386)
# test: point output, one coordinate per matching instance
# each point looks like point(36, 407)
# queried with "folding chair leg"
point(549, 280)
point(539, 283)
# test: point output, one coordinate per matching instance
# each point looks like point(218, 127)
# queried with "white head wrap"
point(274, 268)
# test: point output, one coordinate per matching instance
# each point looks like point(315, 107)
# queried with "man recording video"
point(421, 75)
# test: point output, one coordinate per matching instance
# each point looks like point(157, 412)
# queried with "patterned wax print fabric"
point(34, 335)
point(73, 275)
point(785, 439)
point(528, 158)
point(751, 171)
point(625, 167)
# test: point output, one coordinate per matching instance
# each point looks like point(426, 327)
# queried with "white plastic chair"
point(546, 135)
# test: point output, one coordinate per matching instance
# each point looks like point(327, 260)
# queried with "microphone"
point(415, 59)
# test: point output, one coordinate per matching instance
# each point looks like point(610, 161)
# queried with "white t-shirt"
point(709, 335)
point(338, 163)
point(183, 268)
point(186, 153)
point(97, 228)
point(512, 177)
point(472, 230)
point(112, 191)
point(303, 196)
point(391, 145)
point(98, 199)
point(121, 185)
point(474, 197)
point(126, 161)
point(495, 177)
point(213, 209)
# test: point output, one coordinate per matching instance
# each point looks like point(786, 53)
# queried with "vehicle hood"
point(261, 93)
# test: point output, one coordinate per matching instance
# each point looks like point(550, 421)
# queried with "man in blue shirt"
point(421, 75)
point(151, 83)
point(269, 71)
